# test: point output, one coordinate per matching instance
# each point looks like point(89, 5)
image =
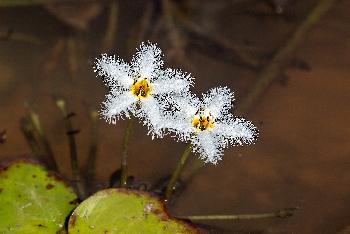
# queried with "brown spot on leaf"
point(1, 189)
point(72, 220)
point(190, 227)
point(161, 214)
point(49, 186)
point(54, 176)
point(74, 202)
point(34, 176)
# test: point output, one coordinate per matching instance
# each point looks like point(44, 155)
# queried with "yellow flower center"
point(141, 88)
point(202, 120)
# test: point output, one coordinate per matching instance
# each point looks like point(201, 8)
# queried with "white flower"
point(208, 125)
point(140, 87)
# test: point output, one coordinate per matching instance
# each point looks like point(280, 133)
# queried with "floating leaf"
point(124, 211)
point(33, 200)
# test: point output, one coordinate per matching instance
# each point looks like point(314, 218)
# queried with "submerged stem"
point(91, 160)
point(171, 185)
point(124, 159)
point(112, 27)
point(18, 36)
point(36, 123)
point(28, 132)
point(284, 213)
point(273, 68)
point(70, 131)
point(192, 168)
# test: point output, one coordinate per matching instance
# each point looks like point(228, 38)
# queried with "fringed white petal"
point(172, 81)
point(185, 104)
point(118, 106)
point(147, 61)
point(115, 71)
point(208, 146)
point(179, 114)
point(236, 131)
point(224, 131)
point(218, 101)
point(180, 126)
point(152, 116)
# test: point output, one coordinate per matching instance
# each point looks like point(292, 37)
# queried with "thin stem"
point(169, 18)
point(218, 46)
point(36, 123)
point(171, 185)
point(112, 27)
point(28, 132)
point(177, 42)
point(284, 213)
point(124, 159)
point(18, 36)
point(139, 33)
point(91, 160)
point(274, 67)
point(279, 59)
point(145, 22)
point(192, 168)
point(70, 131)
point(72, 57)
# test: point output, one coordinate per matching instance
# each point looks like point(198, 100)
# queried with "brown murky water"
point(302, 157)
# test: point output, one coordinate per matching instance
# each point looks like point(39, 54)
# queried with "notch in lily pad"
point(124, 211)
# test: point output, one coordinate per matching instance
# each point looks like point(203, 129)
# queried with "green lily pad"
point(124, 211)
point(33, 200)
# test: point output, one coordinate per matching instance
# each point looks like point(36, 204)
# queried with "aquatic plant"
point(208, 125)
point(161, 99)
point(140, 87)
point(182, 33)
point(148, 92)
